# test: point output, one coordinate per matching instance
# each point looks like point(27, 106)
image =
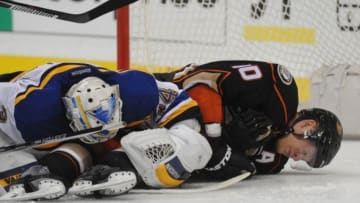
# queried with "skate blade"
point(119, 179)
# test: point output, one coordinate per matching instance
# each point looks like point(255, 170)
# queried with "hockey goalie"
point(60, 98)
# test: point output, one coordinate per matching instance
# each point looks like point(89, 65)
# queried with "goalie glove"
point(248, 129)
point(166, 158)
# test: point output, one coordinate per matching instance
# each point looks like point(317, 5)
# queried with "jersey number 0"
point(249, 72)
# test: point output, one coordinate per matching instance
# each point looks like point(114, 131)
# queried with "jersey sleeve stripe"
point(195, 78)
point(278, 93)
point(175, 112)
point(45, 81)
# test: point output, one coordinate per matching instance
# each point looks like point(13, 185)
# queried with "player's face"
point(298, 147)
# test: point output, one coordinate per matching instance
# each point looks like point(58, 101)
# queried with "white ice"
point(338, 182)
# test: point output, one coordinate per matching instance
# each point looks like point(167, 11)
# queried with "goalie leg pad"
point(166, 158)
point(193, 149)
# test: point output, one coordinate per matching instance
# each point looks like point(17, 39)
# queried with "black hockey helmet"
point(327, 136)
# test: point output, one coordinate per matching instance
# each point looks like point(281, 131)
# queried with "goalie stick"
point(212, 187)
point(78, 18)
point(62, 137)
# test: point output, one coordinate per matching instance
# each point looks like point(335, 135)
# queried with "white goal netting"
point(302, 35)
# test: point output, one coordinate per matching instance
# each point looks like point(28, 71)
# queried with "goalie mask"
point(327, 136)
point(92, 103)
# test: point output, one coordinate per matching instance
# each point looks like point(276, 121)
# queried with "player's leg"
point(52, 175)
point(12, 164)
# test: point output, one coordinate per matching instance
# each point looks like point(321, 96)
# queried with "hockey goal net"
point(302, 35)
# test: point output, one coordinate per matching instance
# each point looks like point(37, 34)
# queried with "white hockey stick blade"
point(87, 16)
point(213, 187)
point(54, 191)
point(127, 182)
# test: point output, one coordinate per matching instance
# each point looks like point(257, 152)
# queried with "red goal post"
point(123, 38)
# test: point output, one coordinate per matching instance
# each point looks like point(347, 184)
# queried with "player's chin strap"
point(288, 130)
point(307, 134)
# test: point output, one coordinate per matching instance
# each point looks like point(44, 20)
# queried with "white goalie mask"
point(92, 103)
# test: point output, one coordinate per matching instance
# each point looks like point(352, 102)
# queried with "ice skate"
point(103, 180)
point(37, 183)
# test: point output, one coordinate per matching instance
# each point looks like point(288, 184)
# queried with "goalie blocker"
point(166, 158)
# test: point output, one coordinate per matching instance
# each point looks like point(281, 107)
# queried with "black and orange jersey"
point(265, 87)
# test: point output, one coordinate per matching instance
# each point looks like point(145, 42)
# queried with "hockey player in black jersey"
point(250, 112)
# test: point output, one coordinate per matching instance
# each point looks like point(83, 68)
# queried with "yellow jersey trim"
point(45, 81)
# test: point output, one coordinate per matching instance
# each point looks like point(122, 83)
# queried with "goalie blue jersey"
point(31, 106)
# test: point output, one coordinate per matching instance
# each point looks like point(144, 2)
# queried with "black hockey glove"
point(248, 129)
point(224, 164)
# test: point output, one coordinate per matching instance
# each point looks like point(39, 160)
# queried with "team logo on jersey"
point(3, 115)
point(284, 75)
point(167, 95)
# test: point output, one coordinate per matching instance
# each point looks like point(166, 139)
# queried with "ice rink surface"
point(339, 182)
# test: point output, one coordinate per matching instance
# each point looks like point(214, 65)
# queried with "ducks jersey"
point(264, 87)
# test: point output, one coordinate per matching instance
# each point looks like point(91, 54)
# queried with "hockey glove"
point(224, 164)
point(248, 129)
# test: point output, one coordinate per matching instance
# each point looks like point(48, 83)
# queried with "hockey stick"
point(78, 18)
point(213, 187)
point(62, 137)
